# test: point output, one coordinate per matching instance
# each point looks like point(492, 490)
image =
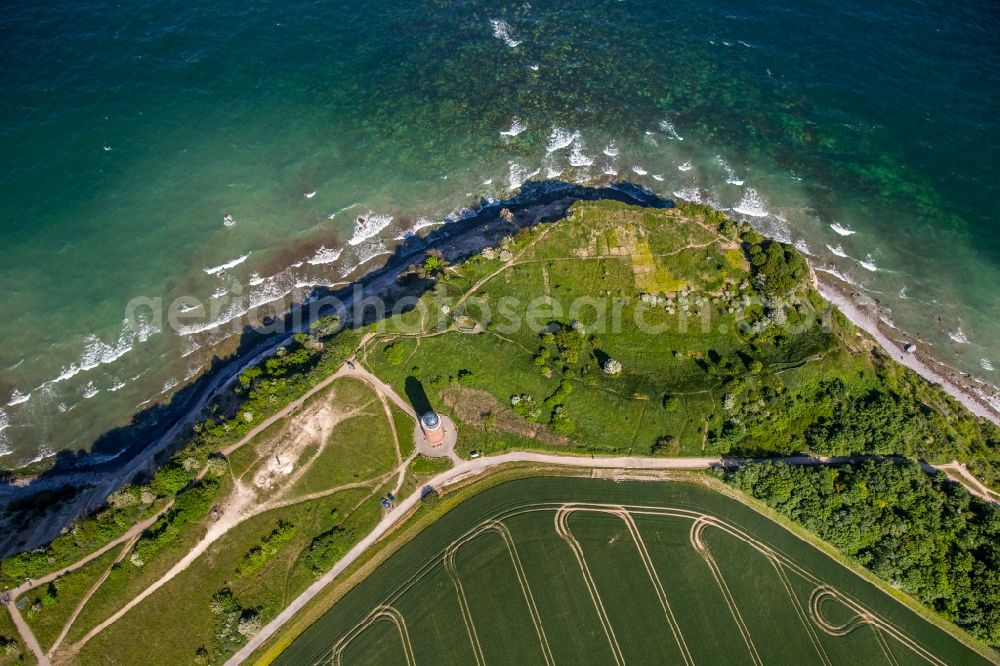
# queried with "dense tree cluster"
point(778, 268)
point(327, 548)
point(888, 412)
point(190, 505)
point(924, 534)
point(259, 554)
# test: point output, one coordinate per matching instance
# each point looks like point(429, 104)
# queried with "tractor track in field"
point(811, 616)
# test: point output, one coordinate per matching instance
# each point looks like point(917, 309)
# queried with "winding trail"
point(471, 468)
point(463, 470)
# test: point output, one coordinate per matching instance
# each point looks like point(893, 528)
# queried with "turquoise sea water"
point(129, 132)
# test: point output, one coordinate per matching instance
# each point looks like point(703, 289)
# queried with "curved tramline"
point(449, 565)
point(539, 525)
point(381, 613)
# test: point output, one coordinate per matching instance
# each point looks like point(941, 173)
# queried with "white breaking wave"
point(517, 175)
point(687, 166)
point(169, 384)
point(869, 264)
point(421, 223)
point(985, 362)
point(365, 254)
point(577, 157)
point(752, 204)
point(837, 250)
point(840, 229)
point(310, 195)
point(501, 30)
point(651, 139)
point(610, 170)
point(668, 128)
point(270, 289)
point(516, 127)
point(43, 453)
point(5, 447)
point(639, 170)
point(97, 352)
point(369, 225)
point(226, 266)
point(728, 171)
point(16, 398)
point(959, 336)
point(345, 208)
point(325, 256)
point(611, 150)
point(692, 194)
point(837, 274)
point(560, 138)
point(902, 294)
point(255, 279)
point(658, 177)
point(90, 390)
point(802, 247)
point(117, 386)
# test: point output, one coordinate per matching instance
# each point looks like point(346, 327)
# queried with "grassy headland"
point(618, 330)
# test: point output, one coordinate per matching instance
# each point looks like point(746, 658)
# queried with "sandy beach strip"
point(865, 316)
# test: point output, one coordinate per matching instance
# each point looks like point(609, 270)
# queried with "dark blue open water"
point(128, 131)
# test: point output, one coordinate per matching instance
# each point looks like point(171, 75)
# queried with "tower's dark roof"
point(430, 420)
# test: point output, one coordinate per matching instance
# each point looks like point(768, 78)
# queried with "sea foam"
point(96, 352)
point(728, 171)
point(325, 255)
point(958, 335)
point(837, 250)
point(668, 128)
point(345, 208)
point(517, 175)
point(869, 264)
point(840, 229)
point(577, 157)
point(692, 194)
point(752, 204)
point(214, 270)
point(560, 138)
point(17, 398)
point(516, 127)
point(501, 30)
point(369, 225)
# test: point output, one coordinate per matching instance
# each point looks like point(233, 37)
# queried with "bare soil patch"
point(472, 406)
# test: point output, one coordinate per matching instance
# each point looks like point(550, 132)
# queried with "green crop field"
point(572, 570)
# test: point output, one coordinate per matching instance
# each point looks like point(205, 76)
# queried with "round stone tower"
point(430, 424)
